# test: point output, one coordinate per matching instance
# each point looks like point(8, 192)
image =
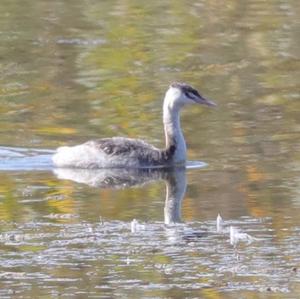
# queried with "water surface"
point(71, 71)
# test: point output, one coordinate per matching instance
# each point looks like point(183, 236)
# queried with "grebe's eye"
point(192, 95)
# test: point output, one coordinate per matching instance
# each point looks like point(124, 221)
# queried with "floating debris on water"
point(136, 226)
point(236, 236)
point(133, 225)
point(220, 223)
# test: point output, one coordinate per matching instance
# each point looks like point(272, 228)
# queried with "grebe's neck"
point(175, 142)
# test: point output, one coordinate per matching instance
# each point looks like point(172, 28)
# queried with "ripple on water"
point(15, 158)
point(193, 255)
point(26, 159)
point(81, 42)
point(195, 164)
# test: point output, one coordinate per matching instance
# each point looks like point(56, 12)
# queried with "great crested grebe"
point(118, 152)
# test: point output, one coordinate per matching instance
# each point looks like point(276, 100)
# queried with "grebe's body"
point(112, 153)
point(120, 152)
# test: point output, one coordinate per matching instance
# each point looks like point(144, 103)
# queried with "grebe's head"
point(181, 94)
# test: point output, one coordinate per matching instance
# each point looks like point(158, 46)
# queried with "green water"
point(75, 70)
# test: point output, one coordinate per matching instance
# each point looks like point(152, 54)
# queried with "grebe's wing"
point(118, 146)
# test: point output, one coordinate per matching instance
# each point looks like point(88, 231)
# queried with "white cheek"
point(173, 97)
point(175, 93)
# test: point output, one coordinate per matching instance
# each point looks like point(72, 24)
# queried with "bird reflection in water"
point(175, 179)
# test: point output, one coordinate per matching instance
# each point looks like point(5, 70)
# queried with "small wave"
point(195, 164)
point(26, 159)
point(81, 42)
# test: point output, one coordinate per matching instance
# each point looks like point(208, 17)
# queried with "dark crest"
point(188, 90)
